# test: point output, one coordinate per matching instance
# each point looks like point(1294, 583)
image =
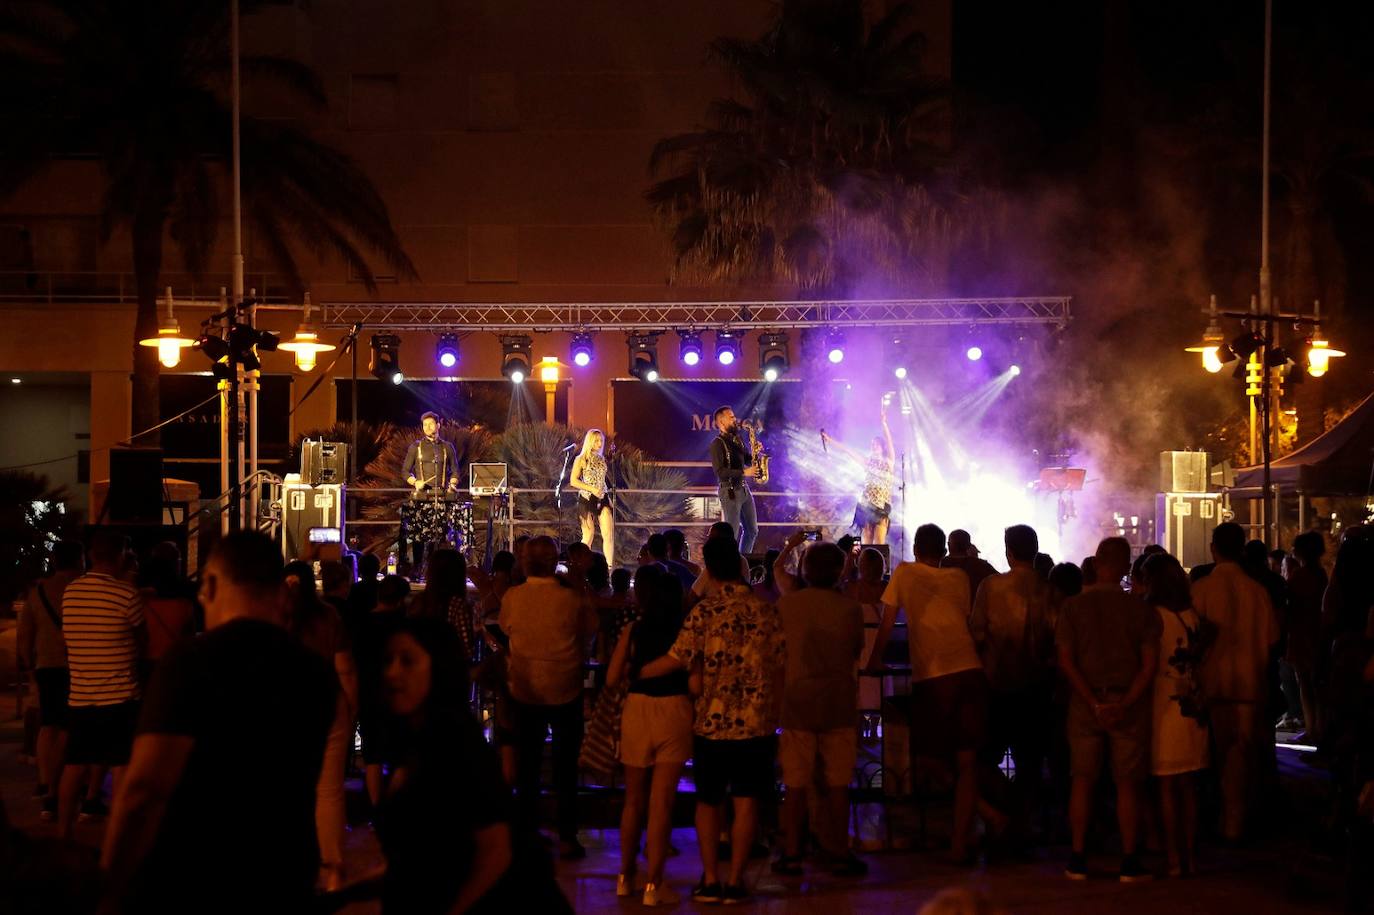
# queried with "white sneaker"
point(625, 885)
point(660, 894)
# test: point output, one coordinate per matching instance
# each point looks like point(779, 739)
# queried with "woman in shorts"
point(655, 729)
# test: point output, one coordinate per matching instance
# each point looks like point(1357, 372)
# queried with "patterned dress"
point(593, 475)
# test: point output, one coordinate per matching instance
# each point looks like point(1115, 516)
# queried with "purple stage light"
point(582, 350)
point(974, 353)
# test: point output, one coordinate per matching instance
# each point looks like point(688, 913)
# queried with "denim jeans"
point(739, 511)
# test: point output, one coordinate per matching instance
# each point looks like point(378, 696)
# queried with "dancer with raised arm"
point(873, 513)
point(589, 477)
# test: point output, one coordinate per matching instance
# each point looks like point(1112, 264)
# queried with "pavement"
point(1281, 875)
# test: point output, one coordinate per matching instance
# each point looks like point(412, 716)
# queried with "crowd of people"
point(228, 750)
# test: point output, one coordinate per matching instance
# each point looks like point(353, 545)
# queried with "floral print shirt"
point(738, 639)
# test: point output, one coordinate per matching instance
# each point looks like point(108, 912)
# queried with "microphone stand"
point(558, 491)
point(902, 490)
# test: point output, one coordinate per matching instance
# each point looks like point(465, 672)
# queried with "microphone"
point(567, 448)
point(824, 444)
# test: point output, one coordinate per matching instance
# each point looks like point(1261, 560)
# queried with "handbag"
point(601, 745)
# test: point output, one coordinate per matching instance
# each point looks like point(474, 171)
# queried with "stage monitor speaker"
point(305, 507)
point(135, 494)
point(324, 463)
point(1184, 524)
point(1184, 471)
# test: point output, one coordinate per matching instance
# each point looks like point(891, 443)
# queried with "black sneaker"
point(1132, 871)
point(1077, 868)
point(734, 894)
point(93, 808)
point(709, 893)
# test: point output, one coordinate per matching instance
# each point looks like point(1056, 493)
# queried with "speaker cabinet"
point(324, 463)
point(1184, 522)
point(1184, 471)
point(135, 495)
point(305, 507)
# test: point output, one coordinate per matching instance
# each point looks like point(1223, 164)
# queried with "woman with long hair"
point(446, 597)
point(655, 729)
point(589, 477)
point(873, 513)
point(1178, 743)
point(445, 821)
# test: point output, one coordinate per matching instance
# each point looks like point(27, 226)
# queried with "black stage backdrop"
point(190, 445)
point(671, 420)
point(485, 403)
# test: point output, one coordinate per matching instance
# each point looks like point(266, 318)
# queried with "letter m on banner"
point(702, 422)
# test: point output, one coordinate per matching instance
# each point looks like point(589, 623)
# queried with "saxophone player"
point(734, 466)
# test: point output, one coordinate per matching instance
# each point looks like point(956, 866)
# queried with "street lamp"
point(306, 345)
point(1319, 352)
point(1263, 360)
point(1212, 341)
point(169, 341)
point(548, 370)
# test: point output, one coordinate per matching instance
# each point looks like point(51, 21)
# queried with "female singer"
point(873, 512)
point(593, 504)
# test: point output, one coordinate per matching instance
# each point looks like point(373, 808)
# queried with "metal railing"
point(266, 513)
point(513, 498)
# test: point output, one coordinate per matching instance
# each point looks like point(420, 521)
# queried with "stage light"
point(973, 353)
point(774, 358)
point(1245, 344)
point(385, 361)
point(727, 346)
point(689, 348)
point(643, 356)
point(1014, 371)
point(515, 357)
point(169, 341)
point(581, 350)
point(900, 371)
point(1319, 356)
point(446, 350)
point(213, 346)
point(834, 347)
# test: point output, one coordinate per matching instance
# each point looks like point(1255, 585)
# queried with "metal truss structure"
point(504, 317)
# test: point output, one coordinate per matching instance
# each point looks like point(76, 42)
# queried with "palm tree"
point(834, 163)
point(143, 89)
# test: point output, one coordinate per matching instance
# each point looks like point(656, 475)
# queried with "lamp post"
point(1262, 358)
point(549, 369)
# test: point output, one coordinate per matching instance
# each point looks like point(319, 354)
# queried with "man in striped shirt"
point(102, 620)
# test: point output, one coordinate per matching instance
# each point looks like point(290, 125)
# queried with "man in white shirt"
point(548, 624)
point(949, 691)
point(1234, 672)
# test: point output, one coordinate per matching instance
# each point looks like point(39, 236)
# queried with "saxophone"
point(760, 456)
